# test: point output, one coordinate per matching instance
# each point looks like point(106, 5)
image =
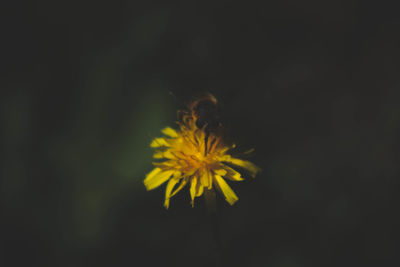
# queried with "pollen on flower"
point(197, 158)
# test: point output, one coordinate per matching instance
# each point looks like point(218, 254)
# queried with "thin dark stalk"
point(212, 214)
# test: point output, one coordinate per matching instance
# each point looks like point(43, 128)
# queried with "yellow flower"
point(195, 158)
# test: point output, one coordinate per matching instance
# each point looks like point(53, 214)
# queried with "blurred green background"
point(313, 86)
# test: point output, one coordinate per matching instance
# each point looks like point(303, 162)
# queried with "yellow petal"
point(169, 188)
point(160, 141)
point(193, 189)
point(199, 189)
point(170, 132)
point(231, 174)
point(212, 140)
point(164, 154)
point(151, 174)
point(220, 172)
point(253, 169)
point(204, 179)
point(156, 177)
point(200, 137)
point(226, 148)
point(210, 179)
point(158, 155)
point(230, 196)
point(165, 164)
point(182, 184)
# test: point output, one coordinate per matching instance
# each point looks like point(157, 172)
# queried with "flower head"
point(197, 158)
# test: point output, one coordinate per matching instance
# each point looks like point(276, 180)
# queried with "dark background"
point(312, 85)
